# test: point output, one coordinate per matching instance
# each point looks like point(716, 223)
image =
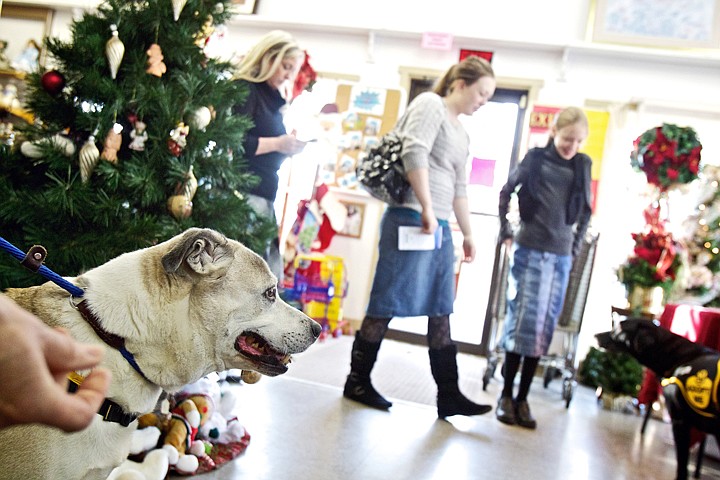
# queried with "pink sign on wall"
point(437, 41)
point(482, 172)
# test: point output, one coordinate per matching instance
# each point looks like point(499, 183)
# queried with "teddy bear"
point(155, 64)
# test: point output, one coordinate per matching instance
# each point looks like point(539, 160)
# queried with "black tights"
point(438, 334)
point(510, 369)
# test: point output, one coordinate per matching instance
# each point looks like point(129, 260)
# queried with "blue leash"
point(74, 290)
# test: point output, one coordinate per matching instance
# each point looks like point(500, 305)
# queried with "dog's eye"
point(271, 293)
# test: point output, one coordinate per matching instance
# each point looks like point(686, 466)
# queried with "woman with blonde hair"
point(267, 69)
point(422, 283)
point(554, 200)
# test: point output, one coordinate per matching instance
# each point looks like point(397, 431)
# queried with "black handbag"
point(381, 171)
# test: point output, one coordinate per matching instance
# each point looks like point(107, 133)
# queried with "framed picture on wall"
point(354, 221)
point(245, 7)
point(676, 24)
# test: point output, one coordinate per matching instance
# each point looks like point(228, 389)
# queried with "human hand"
point(429, 222)
point(36, 360)
point(290, 145)
point(468, 249)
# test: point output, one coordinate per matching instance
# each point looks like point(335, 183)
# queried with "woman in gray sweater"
point(421, 283)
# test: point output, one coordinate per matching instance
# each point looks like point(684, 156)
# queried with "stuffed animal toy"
point(180, 428)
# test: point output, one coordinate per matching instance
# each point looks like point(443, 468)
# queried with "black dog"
point(690, 374)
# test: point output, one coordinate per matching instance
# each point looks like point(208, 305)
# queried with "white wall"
point(534, 42)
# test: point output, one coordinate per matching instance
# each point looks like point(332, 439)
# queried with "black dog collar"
point(109, 410)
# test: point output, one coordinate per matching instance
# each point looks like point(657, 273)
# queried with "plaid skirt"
point(535, 295)
point(411, 283)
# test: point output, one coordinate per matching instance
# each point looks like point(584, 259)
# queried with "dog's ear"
point(202, 251)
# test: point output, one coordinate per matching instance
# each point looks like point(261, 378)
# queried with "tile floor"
point(305, 430)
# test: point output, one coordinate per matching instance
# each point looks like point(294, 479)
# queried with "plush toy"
point(180, 428)
point(153, 467)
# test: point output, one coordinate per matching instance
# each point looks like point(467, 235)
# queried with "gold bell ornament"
point(180, 204)
point(89, 156)
point(114, 51)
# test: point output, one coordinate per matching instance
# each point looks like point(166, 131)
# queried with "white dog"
point(195, 304)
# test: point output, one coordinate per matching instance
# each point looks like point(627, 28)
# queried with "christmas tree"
point(701, 278)
point(134, 141)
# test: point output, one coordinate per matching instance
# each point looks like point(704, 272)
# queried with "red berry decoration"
point(53, 82)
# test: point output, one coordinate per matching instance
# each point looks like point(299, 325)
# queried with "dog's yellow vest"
point(698, 384)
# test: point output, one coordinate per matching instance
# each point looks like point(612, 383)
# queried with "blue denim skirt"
point(535, 295)
point(411, 283)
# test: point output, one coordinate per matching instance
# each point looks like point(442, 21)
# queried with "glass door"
point(495, 132)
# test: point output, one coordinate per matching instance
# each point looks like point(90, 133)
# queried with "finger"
point(73, 412)
point(63, 353)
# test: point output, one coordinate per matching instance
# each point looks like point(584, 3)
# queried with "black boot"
point(357, 385)
point(450, 401)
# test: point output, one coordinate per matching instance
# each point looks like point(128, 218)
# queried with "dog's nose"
point(316, 328)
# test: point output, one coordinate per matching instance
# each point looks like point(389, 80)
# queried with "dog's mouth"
point(265, 359)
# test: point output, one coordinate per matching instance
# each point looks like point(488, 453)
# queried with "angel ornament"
point(138, 136)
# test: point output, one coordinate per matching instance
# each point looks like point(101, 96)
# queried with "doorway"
point(495, 137)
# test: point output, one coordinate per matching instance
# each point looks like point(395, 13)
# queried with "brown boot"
point(524, 417)
point(505, 411)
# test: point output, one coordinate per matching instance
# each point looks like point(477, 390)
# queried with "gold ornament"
point(180, 204)
point(89, 156)
point(206, 30)
point(191, 184)
point(114, 51)
point(178, 6)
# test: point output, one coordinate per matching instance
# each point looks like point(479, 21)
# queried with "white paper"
point(412, 238)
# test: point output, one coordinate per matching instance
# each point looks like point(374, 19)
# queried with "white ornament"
point(201, 118)
point(35, 149)
point(89, 156)
point(114, 50)
point(178, 5)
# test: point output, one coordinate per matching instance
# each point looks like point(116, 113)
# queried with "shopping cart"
point(558, 365)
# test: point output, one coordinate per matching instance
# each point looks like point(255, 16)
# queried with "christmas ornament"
point(178, 5)
point(200, 118)
point(112, 144)
point(178, 139)
point(206, 30)
point(180, 204)
point(9, 99)
point(89, 156)
point(139, 136)
point(36, 148)
point(114, 51)
point(53, 82)
point(155, 64)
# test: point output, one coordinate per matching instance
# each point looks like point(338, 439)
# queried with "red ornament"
point(53, 82)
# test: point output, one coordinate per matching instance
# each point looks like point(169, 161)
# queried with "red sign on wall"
point(464, 53)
